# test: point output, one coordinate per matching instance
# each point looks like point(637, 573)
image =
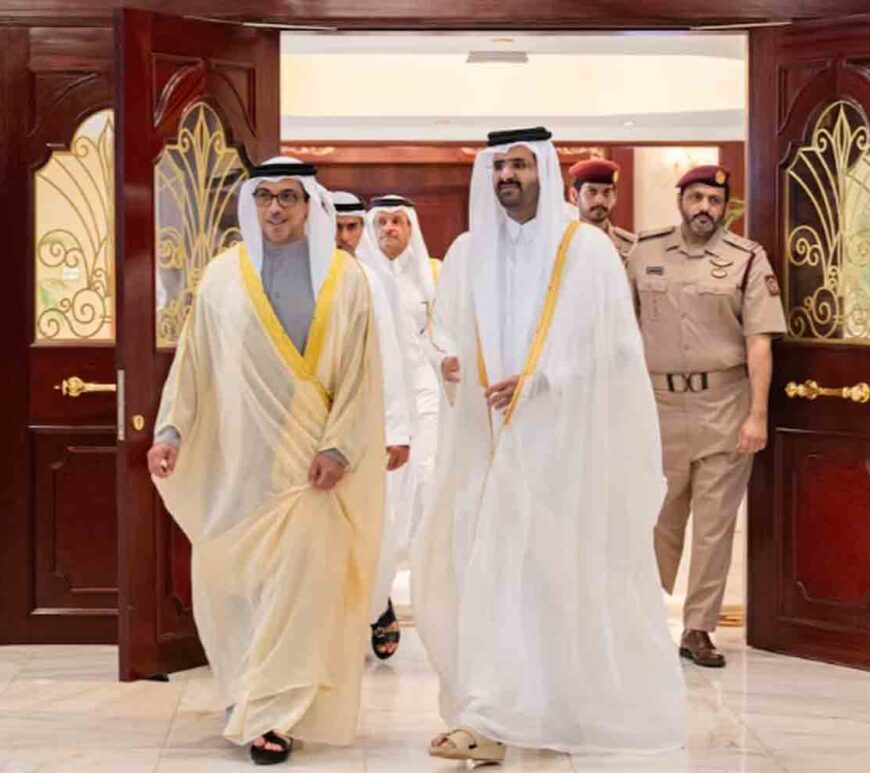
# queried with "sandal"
point(381, 637)
point(464, 744)
point(263, 756)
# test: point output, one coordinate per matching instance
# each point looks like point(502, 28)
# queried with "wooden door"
point(197, 103)
point(809, 525)
point(58, 544)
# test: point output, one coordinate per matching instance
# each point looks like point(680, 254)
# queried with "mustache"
point(509, 185)
point(702, 215)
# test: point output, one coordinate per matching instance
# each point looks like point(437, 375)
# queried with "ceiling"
point(401, 86)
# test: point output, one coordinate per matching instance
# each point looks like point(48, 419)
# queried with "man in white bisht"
point(269, 453)
point(394, 247)
point(350, 214)
point(535, 583)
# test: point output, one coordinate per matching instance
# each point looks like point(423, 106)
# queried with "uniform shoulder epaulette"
point(626, 236)
point(652, 234)
point(740, 242)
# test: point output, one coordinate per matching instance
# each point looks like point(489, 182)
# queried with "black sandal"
point(263, 756)
point(381, 636)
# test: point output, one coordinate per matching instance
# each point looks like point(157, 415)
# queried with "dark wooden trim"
point(732, 155)
point(449, 14)
point(763, 494)
point(623, 213)
point(14, 323)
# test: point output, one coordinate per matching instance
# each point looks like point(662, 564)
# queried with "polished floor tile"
point(72, 760)
point(62, 710)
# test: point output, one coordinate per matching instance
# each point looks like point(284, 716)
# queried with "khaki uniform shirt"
point(623, 240)
point(697, 305)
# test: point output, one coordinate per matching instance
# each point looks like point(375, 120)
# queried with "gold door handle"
point(74, 386)
point(810, 390)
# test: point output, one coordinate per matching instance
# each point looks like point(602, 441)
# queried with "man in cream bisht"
point(536, 591)
point(274, 398)
point(393, 245)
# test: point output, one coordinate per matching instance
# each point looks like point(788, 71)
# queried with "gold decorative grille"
point(196, 180)
point(828, 230)
point(74, 238)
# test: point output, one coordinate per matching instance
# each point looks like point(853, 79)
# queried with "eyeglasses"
point(286, 198)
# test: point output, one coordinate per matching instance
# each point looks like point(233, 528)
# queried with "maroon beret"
point(710, 174)
point(595, 170)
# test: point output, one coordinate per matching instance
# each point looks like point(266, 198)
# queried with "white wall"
point(548, 84)
point(656, 171)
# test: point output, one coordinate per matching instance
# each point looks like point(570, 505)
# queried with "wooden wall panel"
point(437, 175)
point(440, 193)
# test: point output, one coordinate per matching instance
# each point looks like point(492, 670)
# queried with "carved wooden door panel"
point(58, 578)
point(197, 104)
point(809, 531)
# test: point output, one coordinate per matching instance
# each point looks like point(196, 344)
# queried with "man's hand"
point(325, 472)
point(397, 456)
point(450, 370)
point(753, 435)
point(162, 458)
point(499, 395)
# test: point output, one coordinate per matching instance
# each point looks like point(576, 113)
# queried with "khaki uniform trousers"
point(707, 477)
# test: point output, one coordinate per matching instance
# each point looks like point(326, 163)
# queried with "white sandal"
point(464, 744)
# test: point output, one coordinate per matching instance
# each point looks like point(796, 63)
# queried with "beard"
point(509, 194)
point(702, 224)
point(598, 214)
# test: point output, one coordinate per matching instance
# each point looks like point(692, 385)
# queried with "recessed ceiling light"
point(502, 40)
point(628, 123)
point(509, 57)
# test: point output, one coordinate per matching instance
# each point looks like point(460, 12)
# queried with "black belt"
point(696, 382)
point(687, 382)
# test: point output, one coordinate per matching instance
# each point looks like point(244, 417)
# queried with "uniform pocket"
point(652, 292)
point(710, 301)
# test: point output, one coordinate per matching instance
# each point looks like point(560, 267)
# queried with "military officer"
point(708, 303)
point(593, 190)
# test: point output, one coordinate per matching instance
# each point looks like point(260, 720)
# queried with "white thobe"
point(407, 487)
point(519, 270)
point(397, 426)
point(397, 419)
point(535, 587)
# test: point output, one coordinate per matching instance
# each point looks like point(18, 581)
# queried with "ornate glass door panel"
point(810, 206)
point(75, 246)
point(827, 230)
point(197, 100)
point(196, 183)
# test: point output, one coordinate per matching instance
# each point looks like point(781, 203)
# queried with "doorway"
point(808, 585)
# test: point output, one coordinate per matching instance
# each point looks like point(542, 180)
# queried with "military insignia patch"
point(615, 176)
point(772, 284)
point(656, 270)
point(720, 177)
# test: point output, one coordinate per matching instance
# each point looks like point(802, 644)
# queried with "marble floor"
point(61, 711)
